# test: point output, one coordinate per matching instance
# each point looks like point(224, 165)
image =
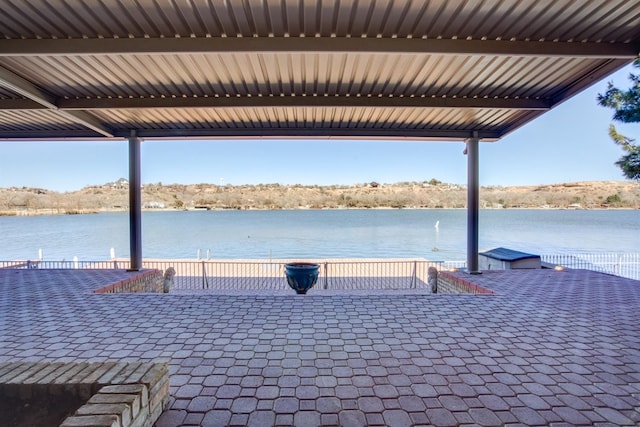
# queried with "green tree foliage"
point(613, 199)
point(626, 104)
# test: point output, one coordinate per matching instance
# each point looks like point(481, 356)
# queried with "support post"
point(135, 203)
point(473, 203)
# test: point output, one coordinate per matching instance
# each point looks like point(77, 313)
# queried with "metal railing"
point(101, 265)
point(269, 274)
point(266, 274)
point(333, 274)
point(619, 264)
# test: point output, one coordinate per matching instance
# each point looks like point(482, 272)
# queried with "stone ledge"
point(144, 281)
point(448, 283)
point(116, 394)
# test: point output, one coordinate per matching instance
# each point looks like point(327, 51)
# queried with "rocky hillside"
point(427, 194)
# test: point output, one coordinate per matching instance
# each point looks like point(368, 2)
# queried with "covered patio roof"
point(441, 69)
point(433, 70)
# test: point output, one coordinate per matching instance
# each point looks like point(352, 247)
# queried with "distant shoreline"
point(114, 197)
point(49, 212)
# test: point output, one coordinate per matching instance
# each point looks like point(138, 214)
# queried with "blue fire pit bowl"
point(301, 276)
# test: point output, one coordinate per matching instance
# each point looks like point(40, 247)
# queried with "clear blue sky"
point(569, 143)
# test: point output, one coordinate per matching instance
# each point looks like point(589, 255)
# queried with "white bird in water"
point(437, 225)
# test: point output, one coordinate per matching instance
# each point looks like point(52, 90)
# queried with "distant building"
point(120, 184)
point(154, 205)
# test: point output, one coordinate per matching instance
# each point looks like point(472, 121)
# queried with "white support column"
point(135, 203)
point(473, 203)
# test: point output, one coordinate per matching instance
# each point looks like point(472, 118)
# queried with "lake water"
point(319, 233)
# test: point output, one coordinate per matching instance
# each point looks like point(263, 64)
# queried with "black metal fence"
point(336, 274)
point(619, 264)
point(351, 274)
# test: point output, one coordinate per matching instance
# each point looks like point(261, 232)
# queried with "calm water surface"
point(319, 233)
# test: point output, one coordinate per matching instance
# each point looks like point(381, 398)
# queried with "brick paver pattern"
point(550, 347)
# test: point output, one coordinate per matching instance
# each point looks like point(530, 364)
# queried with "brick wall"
point(449, 283)
point(118, 394)
point(146, 281)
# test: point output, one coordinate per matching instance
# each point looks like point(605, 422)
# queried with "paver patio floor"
point(549, 348)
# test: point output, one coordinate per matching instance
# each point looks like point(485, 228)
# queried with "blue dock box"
point(507, 259)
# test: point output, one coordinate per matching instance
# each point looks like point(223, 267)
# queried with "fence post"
point(204, 276)
point(413, 279)
point(619, 271)
point(326, 275)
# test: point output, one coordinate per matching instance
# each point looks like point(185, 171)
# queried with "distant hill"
point(428, 194)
